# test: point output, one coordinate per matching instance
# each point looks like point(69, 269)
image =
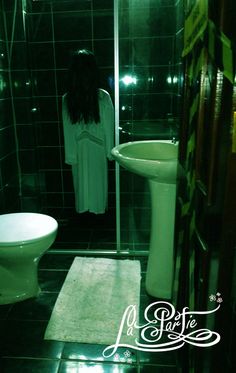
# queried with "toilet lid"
point(21, 227)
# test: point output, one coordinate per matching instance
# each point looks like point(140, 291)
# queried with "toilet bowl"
point(24, 238)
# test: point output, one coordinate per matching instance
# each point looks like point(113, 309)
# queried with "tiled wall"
point(57, 28)
point(147, 43)
point(9, 186)
point(179, 36)
point(21, 82)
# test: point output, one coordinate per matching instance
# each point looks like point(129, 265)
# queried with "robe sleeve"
point(69, 136)
point(109, 125)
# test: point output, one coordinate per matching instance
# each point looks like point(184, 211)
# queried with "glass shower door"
point(146, 103)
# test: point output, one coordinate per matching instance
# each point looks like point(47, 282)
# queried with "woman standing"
point(88, 124)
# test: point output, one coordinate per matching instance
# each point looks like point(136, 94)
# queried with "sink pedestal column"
point(160, 268)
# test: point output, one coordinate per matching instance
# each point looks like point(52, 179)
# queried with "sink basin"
point(153, 159)
point(157, 161)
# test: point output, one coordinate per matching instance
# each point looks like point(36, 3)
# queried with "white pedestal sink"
point(157, 161)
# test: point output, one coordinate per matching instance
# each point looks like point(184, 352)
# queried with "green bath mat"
point(93, 299)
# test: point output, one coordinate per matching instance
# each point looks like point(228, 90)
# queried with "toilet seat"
point(25, 227)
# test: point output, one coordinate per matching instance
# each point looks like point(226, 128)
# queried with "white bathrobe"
point(87, 147)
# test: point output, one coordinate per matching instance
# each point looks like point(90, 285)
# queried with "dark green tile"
point(160, 358)
point(102, 4)
point(28, 366)
point(80, 25)
point(26, 338)
point(143, 262)
point(41, 55)
point(40, 27)
point(102, 246)
point(74, 234)
point(51, 281)
point(142, 284)
point(56, 261)
point(106, 18)
point(80, 351)
point(64, 6)
point(157, 369)
point(74, 366)
point(100, 236)
point(4, 310)
point(70, 245)
point(39, 308)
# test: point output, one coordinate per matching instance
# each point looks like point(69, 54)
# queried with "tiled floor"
point(91, 232)
point(23, 324)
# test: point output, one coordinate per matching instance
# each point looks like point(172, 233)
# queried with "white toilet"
point(24, 238)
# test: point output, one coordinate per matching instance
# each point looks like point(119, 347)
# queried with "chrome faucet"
point(173, 140)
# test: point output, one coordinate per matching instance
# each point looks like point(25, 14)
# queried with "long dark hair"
point(82, 88)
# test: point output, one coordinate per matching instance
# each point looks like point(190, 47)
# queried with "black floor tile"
point(39, 308)
point(26, 339)
point(73, 366)
point(93, 221)
point(51, 280)
point(4, 310)
point(84, 351)
point(23, 324)
point(142, 284)
point(157, 369)
point(78, 230)
point(160, 358)
point(28, 366)
point(56, 261)
point(143, 262)
point(2, 333)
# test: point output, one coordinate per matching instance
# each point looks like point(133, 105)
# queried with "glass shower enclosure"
point(147, 96)
point(138, 49)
